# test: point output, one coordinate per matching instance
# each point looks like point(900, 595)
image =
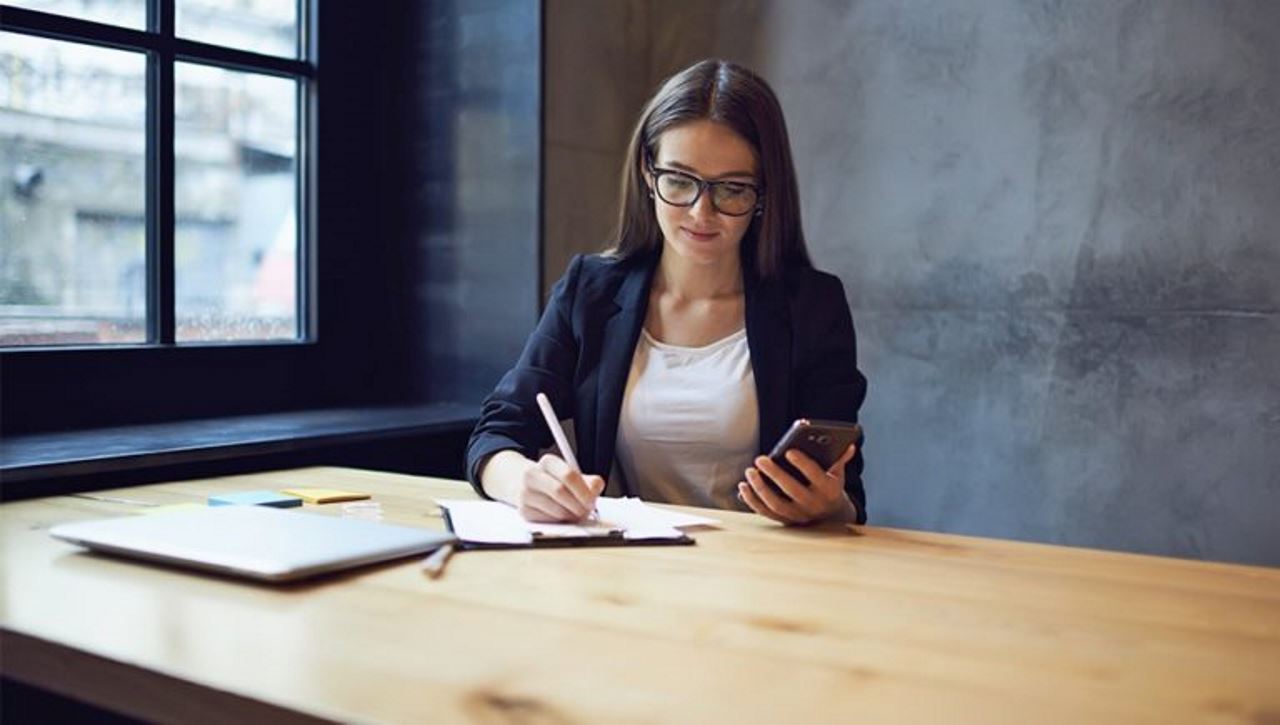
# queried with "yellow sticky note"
point(171, 508)
point(324, 495)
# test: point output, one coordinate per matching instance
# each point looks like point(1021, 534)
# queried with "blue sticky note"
point(255, 498)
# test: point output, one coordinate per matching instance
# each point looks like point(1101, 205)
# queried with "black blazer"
point(800, 334)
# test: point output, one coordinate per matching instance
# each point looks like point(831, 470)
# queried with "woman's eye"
point(733, 190)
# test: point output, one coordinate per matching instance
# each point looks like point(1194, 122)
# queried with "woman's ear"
point(646, 173)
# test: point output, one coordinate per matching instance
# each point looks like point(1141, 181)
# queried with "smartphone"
point(822, 440)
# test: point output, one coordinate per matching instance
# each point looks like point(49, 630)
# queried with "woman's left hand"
point(821, 497)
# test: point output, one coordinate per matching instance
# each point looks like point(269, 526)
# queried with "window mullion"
point(160, 177)
point(308, 254)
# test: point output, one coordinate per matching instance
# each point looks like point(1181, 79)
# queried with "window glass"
point(262, 26)
point(72, 193)
point(236, 239)
point(128, 13)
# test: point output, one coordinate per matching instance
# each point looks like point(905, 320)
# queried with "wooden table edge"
point(130, 689)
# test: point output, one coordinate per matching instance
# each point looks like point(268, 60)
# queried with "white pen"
point(549, 413)
point(433, 565)
point(553, 422)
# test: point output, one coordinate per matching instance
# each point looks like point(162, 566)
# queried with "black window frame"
point(47, 387)
point(163, 50)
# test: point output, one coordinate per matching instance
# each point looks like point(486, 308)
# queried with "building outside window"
point(106, 238)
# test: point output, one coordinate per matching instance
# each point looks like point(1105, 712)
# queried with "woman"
point(686, 350)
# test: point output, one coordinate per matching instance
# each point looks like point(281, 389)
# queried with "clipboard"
point(627, 522)
point(614, 537)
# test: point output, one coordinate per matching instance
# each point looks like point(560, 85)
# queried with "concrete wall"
point(596, 76)
point(1057, 226)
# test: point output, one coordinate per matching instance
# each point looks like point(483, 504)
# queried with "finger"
point(822, 486)
point(754, 503)
point(546, 491)
point(537, 506)
point(770, 498)
point(595, 486)
point(806, 465)
point(573, 481)
point(797, 491)
point(559, 481)
point(838, 466)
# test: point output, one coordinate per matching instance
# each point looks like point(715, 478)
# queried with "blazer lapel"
point(618, 344)
point(769, 340)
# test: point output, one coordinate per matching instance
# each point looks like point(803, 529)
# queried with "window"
point(154, 174)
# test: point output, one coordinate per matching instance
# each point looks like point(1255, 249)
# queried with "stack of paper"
point(493, 522)
point(639, 520)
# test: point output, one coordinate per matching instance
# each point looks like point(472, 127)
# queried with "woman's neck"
point(688, 280)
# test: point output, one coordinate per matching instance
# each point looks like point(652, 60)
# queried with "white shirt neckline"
point(727, 340)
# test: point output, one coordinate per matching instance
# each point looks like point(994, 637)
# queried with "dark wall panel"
point(470, 112)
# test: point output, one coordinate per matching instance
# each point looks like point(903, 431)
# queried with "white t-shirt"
point(689, 423)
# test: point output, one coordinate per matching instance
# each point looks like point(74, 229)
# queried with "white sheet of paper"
point(655, 533)
point(632, 513)
point(488, 522)
point(494, 522)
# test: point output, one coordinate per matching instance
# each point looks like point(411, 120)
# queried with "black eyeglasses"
point(677, 188)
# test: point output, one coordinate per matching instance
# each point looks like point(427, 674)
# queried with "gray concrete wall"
point(602, 62)
point(1057, 226)
point(595, 78)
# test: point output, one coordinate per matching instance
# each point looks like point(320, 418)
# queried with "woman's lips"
point(699, 236)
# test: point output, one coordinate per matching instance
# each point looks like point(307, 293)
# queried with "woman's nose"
point(703, 207)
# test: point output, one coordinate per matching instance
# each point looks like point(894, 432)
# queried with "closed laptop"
point(257, 542)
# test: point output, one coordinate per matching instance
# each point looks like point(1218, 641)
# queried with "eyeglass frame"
point(703, 185)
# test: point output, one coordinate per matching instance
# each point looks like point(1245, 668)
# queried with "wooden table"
point(756, 623)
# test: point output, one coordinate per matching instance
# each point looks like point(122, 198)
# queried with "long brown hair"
point(727, 93)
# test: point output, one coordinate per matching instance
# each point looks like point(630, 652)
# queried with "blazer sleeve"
point(828, 382)
point(509, 416)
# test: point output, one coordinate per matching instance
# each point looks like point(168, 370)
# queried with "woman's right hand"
point(546, 490)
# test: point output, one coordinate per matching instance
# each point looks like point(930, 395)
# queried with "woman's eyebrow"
point(690, 169)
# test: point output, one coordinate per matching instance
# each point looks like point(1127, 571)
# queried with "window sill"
point(37, 457)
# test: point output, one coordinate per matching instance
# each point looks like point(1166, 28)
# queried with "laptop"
point(257, 542)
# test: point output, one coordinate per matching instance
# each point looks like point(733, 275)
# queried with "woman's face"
point(709, 151)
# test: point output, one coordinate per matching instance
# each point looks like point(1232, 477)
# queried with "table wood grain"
point(755, 623)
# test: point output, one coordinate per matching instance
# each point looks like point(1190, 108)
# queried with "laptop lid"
point(257, 542)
